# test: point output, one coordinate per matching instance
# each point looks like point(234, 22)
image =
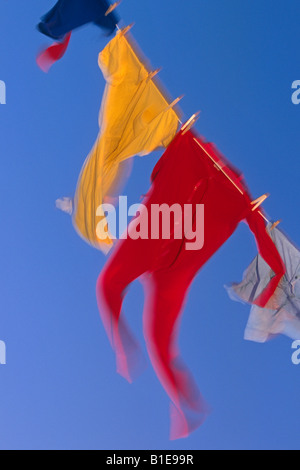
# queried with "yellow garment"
point(135, 119)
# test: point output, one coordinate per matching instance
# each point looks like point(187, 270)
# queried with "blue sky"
point(235, 61)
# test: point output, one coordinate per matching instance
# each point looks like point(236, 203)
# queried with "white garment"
point(282, 313)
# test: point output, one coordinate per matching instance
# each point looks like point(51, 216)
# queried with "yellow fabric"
point(135, 119)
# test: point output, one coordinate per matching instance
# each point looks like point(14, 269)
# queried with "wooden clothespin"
point(126, 30)
point(171, 105)
point(189, 124)
point(154, 73)
point(258, 202)
point(112, 7)
point(275, 224)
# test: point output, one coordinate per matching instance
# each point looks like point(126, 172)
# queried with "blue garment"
point(68, 15)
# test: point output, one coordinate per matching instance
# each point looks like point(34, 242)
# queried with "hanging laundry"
point(282, 313)
point(135, 119)
point(68, 15)
point(52, 54)
point(190, 172)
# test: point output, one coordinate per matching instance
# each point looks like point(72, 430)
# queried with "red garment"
point(185, 174)
point(56, 51)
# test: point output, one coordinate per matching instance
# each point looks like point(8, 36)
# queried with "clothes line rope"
point(190, 123)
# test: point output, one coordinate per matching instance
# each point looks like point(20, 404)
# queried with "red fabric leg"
point(129, 261)
point(165, 295)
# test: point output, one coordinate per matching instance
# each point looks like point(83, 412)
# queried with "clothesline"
point(188, 125)
point(152, 74)
point(255, 203)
